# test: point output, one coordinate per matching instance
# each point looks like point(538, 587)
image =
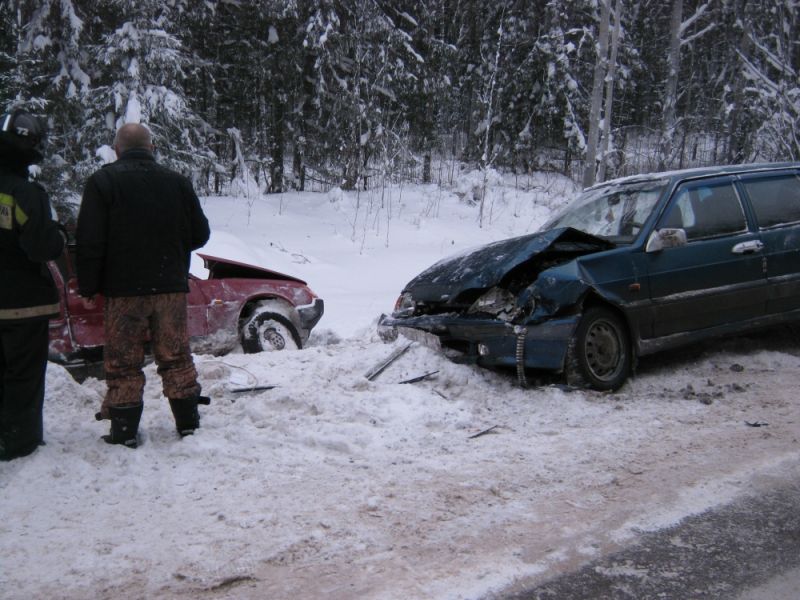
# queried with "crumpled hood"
point(222, 268)
point(486, 266)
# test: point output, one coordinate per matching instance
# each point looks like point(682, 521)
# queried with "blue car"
point(631, 267)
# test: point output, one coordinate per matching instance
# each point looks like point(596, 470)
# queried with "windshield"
point(616, 212)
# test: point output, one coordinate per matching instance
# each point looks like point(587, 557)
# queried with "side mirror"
point(665, 238)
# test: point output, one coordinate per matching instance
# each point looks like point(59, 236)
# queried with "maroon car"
point(238, 303)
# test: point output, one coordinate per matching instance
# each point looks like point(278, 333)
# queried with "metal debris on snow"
point(252, 388)
point(484, 432)
point(380, 367)
point(420, 377)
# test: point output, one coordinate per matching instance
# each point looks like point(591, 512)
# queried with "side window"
point(706, 210)
point(679, 215)
point(775, 200)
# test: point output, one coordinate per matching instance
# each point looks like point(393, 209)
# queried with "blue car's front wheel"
point(599, 355)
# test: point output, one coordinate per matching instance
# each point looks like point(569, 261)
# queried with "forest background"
point(314, 94)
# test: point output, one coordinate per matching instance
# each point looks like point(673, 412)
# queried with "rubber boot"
point(124, 425)
point(15, 443)
point(18, 452)
point(187, 418)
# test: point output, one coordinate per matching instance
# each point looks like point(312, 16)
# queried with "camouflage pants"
point(128, 320)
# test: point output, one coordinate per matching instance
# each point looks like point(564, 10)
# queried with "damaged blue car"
point(631, 267)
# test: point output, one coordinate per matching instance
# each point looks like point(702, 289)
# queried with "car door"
point(196, 309)
point(775, 199)
point(85, 323)
point(717, 277)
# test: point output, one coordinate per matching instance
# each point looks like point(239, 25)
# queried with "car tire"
point(269, 331)
point(599, 355)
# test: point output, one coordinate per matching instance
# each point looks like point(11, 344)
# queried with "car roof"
point(677, 175)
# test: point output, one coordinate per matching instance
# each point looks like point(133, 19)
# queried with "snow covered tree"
point(44, 55)
point(419, 75)
point(364, 67)
point(555, 69)
point(252, 60)
point(138, 76)
point(772, 74)
point(337, 123)
point(681, 33)
point(596, 98)
point(90, 66)
point(345, 90)
point(610, 84)
point(9, 63)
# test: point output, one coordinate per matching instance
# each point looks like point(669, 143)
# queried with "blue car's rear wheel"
point(599, 355)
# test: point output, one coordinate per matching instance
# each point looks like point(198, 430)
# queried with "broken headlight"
point(498, 302)
point(405, 306)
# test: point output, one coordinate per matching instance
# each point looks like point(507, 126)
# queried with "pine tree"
point(772, 72)
point(349, 90)
point(44, 53)
point(140, 78)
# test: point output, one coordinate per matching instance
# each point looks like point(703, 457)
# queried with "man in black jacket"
point(137, 226)
point(28, 297)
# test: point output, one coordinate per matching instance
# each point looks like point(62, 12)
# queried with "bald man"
point(137, 226)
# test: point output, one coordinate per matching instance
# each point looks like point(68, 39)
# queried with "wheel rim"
point(273, 338)
point(603, 350)
point(267, 332)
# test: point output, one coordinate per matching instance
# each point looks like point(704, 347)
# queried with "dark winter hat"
point(24, 132)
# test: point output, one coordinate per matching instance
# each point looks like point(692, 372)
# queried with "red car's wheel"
point(267, 330)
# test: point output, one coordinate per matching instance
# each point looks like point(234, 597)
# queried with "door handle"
point(749, 247)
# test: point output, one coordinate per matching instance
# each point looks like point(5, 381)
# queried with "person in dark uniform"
point(137, 226)
point(28, 296)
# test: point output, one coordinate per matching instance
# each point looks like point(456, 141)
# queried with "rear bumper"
point(493, 343)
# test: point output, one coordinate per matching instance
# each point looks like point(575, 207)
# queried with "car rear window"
point(775, 200)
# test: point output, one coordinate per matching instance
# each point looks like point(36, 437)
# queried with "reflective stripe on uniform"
point(9, 207)
point(6, 209)
point(26, 313)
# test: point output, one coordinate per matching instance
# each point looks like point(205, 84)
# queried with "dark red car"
point(238, 303)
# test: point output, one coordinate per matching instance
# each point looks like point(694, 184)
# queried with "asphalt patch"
point(715, 555)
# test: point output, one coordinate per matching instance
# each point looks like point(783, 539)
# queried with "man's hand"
point(89, 303)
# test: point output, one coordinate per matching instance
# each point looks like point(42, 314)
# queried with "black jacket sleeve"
point(90, 237)
point(197, 220)
point(40, 236)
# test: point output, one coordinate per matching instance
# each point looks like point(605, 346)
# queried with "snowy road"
point(331, 486)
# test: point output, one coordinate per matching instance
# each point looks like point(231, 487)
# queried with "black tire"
point(269, 331)
point(599, 355)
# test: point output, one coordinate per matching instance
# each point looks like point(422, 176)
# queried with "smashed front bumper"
point(310, 314)
point(493, 343)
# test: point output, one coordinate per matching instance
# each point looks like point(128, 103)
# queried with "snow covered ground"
point(332, 486)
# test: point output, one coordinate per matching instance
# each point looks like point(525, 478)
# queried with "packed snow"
point(332, 486)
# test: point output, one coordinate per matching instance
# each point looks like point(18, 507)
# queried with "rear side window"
point(705, 210)
point(775, 200)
